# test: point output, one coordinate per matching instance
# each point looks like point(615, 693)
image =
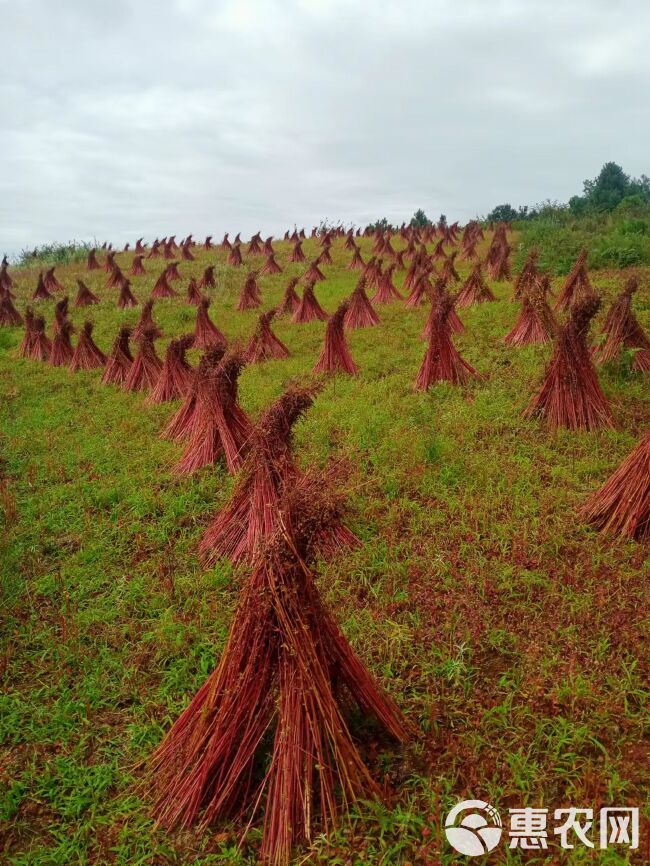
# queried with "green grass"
point(513, 637)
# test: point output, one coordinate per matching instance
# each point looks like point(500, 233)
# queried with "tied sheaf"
point(277, 667)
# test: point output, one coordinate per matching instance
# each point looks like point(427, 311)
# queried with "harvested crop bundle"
point(290, 300)
point(220, 428)
point(91, 263)
point(386, 292)
point(442, 361)
point(60, 314)
point(360, 313)
point(9, 315)
point(87, 355)
point(264, 345)
point(175, 378)
point(313, 274)
point(570, 395)
point(622, 330)
point(282, 668)
point(194, 296)
point(297, 254)
point(116, 278)
point(474, 290)
point(62, 352)
point(356, 262)
point(577, 286)
point(527, 277)
point(146, 322)
point(449, 271)
point(335, 356)
point(206, 333)
point(207, 281)
point(109, 264)
point(145, 369)
point(249, 297)
point(420, 292)
point(85, 298)
point(622, 505)
point(271, 266)
point(41, 292)
point(35, 344)
point(234, 256)
point(120, 359)
point(535, 323)
point(137, 268)
point(255, 245)
point(269, 476)
point(180, 425)
point(161, 288)
point(172, 272)
point(309, 310)
point(127, 298)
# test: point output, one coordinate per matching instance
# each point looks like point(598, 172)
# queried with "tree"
point(381, 225)
point(607, 190)
point(502, 213)
point(419, 219)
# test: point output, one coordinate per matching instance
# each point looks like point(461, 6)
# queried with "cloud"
point(133, 117)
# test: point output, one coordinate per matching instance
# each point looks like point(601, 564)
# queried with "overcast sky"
point(123, 118)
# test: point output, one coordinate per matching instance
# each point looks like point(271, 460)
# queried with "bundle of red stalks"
point(145, 369)
point(249, 297)
point(442, 361)
point(120, 359)
point(360, 313)
point(577, 286)
point(268, 475)
point(474, 290)
point(623, 331)
point(85, 297)
point(570, 395)
point(87, 355)
point(206, 333)
point(290, 300)
point(9, 315)
point(35, 344)
point(264, 345)
point(335, 356)
point(535, 323)
point(283, 667)
point(175, 378)
point(218, 427)
point(309, 310)
point(622, 505)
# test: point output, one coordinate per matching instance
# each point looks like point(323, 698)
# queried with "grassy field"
point(514, 638)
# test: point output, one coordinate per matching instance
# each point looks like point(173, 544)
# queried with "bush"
point(55, 254)
point(612, 241)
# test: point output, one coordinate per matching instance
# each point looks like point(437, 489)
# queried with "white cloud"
point(129, 117)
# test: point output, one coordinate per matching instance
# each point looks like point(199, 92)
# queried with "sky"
point(129, 118)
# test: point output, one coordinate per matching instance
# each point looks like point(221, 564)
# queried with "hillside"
point(512, 636)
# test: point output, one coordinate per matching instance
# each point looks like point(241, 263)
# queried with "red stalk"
point(621, 506)
point(335, 356)
point(570, 395)
point(120, 359)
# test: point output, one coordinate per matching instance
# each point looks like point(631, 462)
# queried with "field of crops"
point(512, 636)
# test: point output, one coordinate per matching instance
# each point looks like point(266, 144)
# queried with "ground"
point(512, 636)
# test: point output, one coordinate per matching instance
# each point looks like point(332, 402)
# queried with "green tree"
point(502, 213)
point(419, 219)
point(606, 191)
point(381, 225)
